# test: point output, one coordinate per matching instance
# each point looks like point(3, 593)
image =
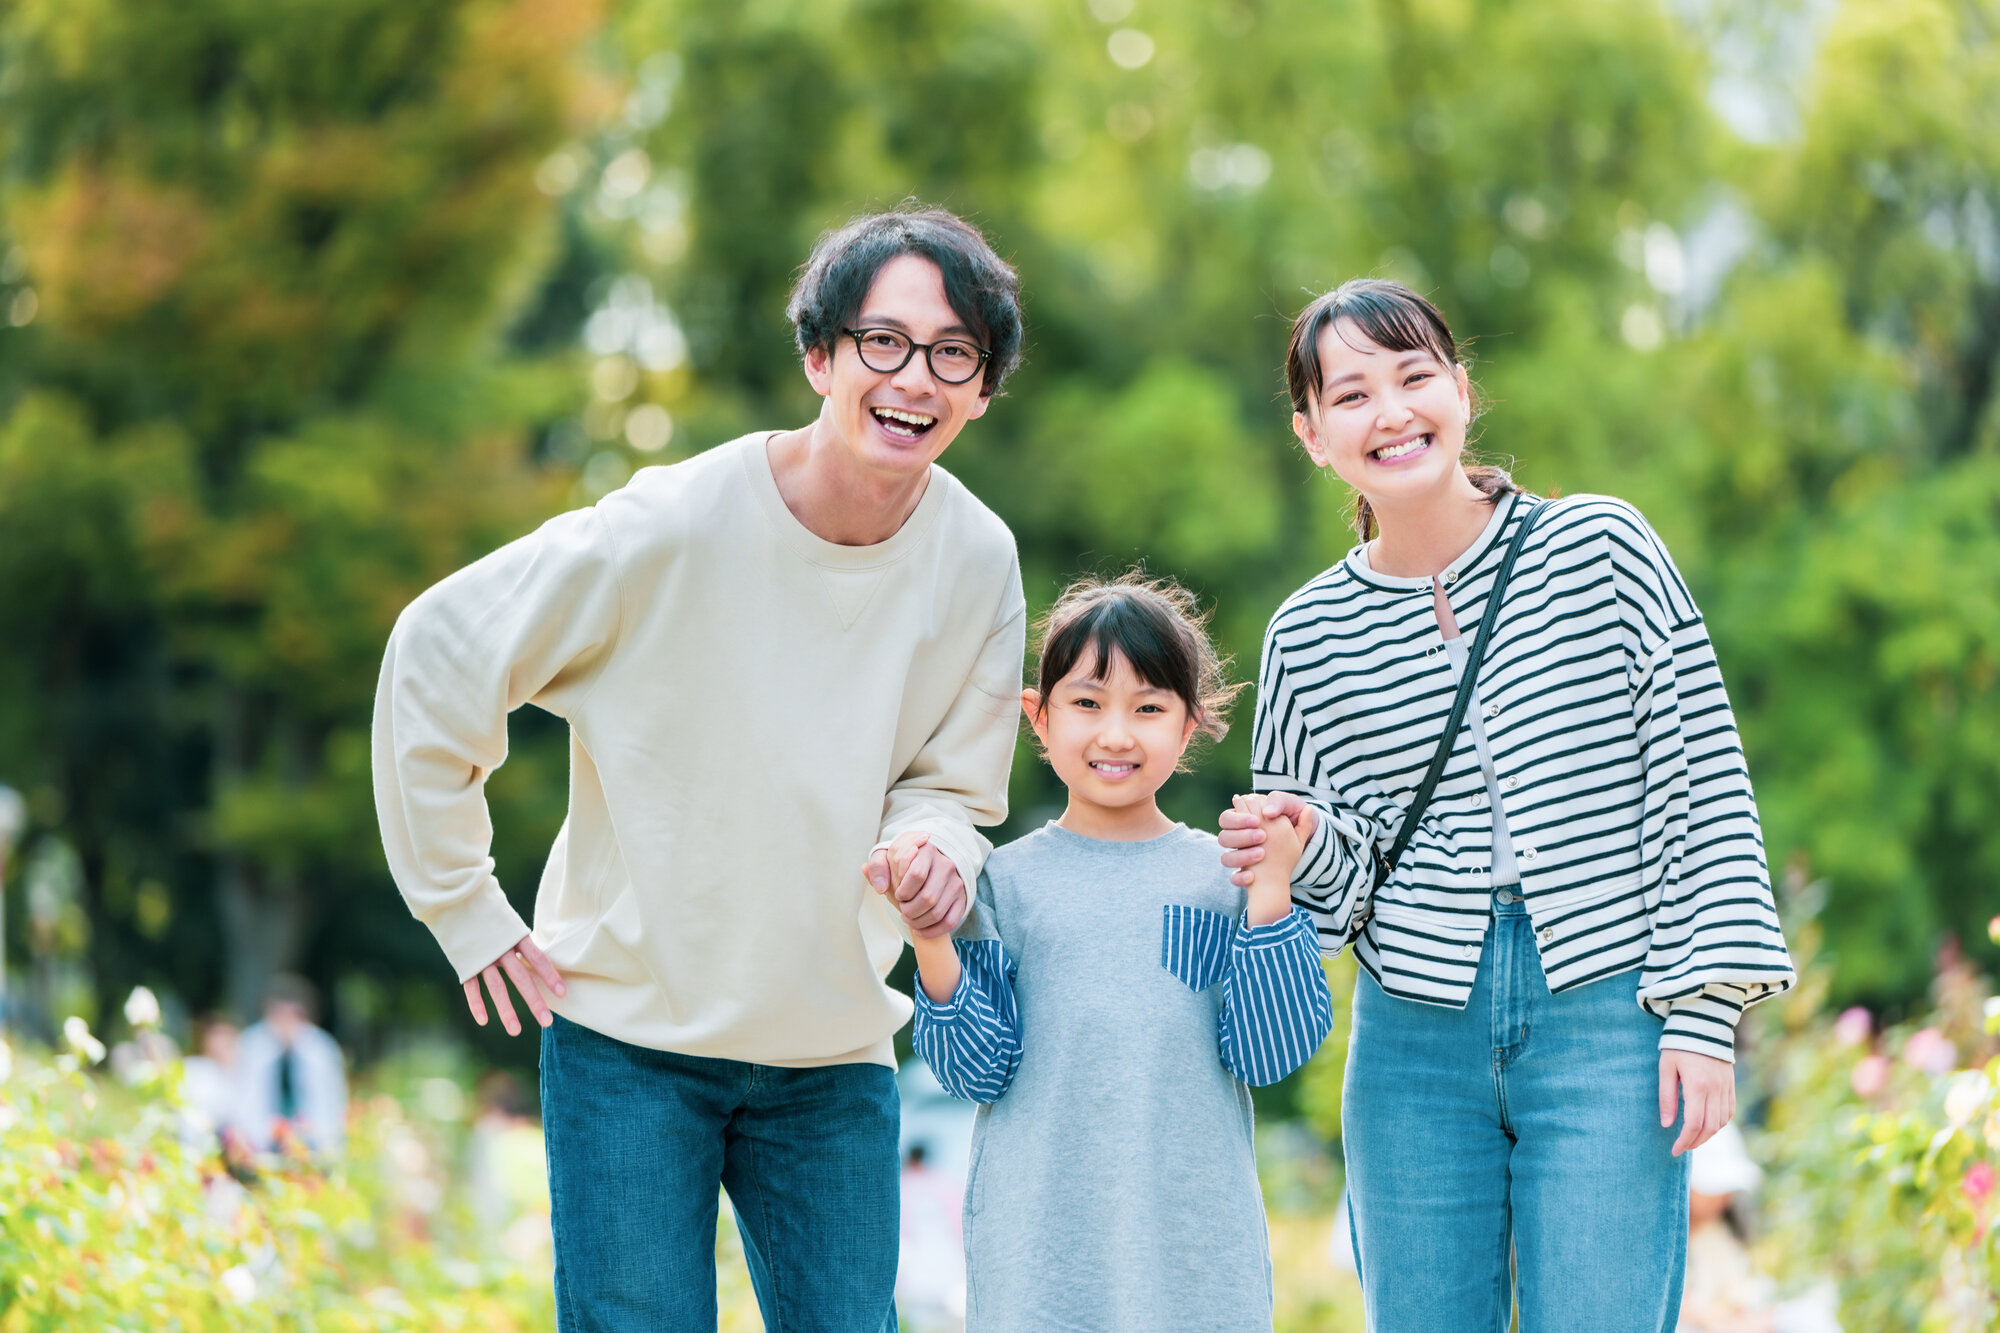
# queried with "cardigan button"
point(1493, 710)
point(1528, 853)
point(1510, 782)
point(1548, 933)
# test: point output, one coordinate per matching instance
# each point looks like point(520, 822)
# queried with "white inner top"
point(1505, 871)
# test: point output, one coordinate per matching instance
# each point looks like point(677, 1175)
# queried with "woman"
point(1556, 951)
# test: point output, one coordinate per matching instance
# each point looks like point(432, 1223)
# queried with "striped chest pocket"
point(1194, 944)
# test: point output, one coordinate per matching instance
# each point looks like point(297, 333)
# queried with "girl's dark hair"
point(1156, 625)
point(1395, 319)
point(981, 287)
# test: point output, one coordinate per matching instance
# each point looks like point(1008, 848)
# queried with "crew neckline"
point(1071, 834)
point(816, 549)
point(1358, 564)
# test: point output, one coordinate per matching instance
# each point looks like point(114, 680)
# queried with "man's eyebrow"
point(868, 321)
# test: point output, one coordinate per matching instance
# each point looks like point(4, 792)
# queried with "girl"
point(1108, 1000)
point(1562, 909)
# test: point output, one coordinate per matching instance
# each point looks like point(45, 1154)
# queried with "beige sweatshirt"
point(752, 710)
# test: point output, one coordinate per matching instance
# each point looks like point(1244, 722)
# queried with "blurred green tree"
point(261, 398)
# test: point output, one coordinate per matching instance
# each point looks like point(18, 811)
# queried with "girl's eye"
point(1151, 708)
point(1084, 703)
point(1347, 398)
point(1420, 375)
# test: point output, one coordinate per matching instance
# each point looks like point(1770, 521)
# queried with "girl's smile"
point(1114, 740)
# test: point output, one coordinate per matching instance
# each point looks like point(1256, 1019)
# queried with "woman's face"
point(1390, 424)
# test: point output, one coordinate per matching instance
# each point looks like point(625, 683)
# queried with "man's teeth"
point(915, 419)
point(1406, 447)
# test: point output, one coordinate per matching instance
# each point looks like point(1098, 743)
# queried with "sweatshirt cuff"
point(477, 930)
point(1705, 1023)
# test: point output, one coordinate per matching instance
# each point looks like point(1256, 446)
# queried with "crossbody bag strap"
point(1386, 866)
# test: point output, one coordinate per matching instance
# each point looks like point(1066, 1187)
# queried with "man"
point(782, 659)
point(290, 1079)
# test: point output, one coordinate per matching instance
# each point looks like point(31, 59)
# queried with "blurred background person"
point(211, 1109)
point(1725, 1292)
point(507, 1170)
point(930, 1269)
point(292, 1077)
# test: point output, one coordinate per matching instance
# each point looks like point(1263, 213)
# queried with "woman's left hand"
point(1708, 1088)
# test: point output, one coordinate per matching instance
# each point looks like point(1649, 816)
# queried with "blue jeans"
point(639, 1142)
point(1525, 1117)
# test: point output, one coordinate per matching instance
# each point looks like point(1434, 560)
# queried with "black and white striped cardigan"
point(1622, 777)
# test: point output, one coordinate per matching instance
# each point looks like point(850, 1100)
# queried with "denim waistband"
point(1507, 900)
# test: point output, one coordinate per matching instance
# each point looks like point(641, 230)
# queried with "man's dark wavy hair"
point(979, 285)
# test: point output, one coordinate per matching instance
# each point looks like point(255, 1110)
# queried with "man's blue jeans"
point(639, 1141)
point(1525, 1118)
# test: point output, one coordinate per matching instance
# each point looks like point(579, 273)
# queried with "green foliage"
point(109, 1222)
point(1884, 1148)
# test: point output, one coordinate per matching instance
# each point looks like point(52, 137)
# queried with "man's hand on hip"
point(516, 962)
point(927, 888)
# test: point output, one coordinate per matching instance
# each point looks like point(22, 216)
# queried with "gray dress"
point(1111, 1007)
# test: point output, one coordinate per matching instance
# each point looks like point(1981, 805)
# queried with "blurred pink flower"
point(1853, 1027)
point(1931, 1051)
point(1993, 930)
point(1978, 1182)
point(1871, 1075)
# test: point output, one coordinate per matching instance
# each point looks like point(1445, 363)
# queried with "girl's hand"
point(1708, 1088)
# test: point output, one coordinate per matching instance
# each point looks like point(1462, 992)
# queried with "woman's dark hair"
point(1156, 625)
point(1395, 319)
point(979, 285)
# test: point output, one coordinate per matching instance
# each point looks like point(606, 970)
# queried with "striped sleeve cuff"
point(1276, 1007)
point(1705, 1023)
point(973, 1041)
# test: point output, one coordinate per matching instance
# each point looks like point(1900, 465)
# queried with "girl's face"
point(1390, 424)
point(1114, 742)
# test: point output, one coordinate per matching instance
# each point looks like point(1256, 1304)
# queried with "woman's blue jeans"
point(1525, 1119)
point(639, 1143)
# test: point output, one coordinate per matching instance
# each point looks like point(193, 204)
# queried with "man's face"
point(897, 422)
point(285, 1019)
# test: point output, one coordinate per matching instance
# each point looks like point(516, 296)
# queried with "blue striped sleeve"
point(1276, 1008)
point(973, 1043)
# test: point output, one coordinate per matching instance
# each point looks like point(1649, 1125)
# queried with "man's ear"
point(1031, 705)
point(819, 370)
point(1302, 427)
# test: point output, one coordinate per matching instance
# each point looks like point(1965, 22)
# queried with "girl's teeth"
point(1407, 447)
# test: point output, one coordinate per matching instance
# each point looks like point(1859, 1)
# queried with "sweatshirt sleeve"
point(1334, 880)
point(531, 622)
point(1716, 944)
point(958, 779)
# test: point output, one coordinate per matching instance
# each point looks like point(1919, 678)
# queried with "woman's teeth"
point(903, 425)
point(1391, 451)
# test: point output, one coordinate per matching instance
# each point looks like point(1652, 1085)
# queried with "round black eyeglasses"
point(951, 360)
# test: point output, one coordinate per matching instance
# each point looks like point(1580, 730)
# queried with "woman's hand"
point(1271, 876)
point(1706, 1085)
point(1242, 835)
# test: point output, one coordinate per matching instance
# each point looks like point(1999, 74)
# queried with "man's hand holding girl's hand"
point(1244, 833)
point(1271, 873)
point(922, 882)
point(907, 864)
